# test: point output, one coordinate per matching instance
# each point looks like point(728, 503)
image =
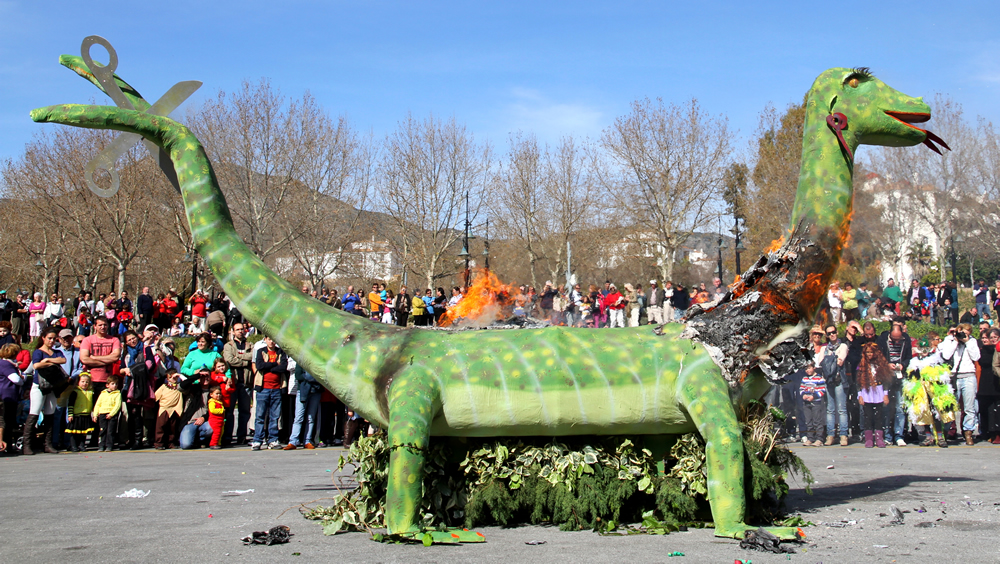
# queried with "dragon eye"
point(853, 83)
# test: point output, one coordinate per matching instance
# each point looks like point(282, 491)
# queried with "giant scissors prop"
point(106, 80)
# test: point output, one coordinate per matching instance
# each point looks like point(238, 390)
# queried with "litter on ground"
point(135, 493)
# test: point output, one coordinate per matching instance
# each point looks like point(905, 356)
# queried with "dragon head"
point(874, 113)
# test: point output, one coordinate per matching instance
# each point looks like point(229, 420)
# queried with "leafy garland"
point(576, 482)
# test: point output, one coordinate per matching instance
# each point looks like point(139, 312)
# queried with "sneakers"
point(900, 442)
point(309, 446)
point(817, 442)
point(274, 445)
point(255, 446)
point(215, 447)
point(289, 446)
point(806, 441)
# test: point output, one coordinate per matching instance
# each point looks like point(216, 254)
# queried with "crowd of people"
point(892, 389)
point(105, 373)
point(927, 302)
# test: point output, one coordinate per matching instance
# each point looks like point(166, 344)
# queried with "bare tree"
point(74, 224)
point(324, 214)
point(427, 169)
point(671, 161)
point(259, 142)
point(776, 148)
point(938, 183)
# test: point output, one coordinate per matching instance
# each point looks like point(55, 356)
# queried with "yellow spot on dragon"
point(550, 362)
point(508, 357)
point(515, 374)
point(546, 352)
point(327, 323)
point(411, 478)
point(528, 354)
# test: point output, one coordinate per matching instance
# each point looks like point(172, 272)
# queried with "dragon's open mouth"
point(910, 118)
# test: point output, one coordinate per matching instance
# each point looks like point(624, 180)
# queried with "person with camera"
point(897, 348)
point(963, 353)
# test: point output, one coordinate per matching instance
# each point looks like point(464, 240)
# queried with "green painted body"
point(529, 382)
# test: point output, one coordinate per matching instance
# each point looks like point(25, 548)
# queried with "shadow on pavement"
point(824, 496)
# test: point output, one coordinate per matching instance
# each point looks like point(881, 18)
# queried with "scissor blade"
point(174, 97)
point(162, 159)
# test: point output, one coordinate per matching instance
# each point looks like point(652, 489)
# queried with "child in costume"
point(171, 402)
point(79, 405)
point(874, 377)
point(813, 392)
point(223, 378)
point(106, 412)
point(216, 416)
point(928, 396)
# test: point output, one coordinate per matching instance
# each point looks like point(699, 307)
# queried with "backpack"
point(832, 373)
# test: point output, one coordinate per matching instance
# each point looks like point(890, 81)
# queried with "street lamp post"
point(721, 245)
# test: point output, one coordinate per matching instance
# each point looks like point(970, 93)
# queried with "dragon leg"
point(413, 402)
point(706, 398)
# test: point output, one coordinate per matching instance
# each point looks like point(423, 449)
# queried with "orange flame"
point(485, 301)
point(775, 245)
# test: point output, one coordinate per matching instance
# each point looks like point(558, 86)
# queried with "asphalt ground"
point(64, 508)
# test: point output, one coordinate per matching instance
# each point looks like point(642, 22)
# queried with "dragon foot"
point(451, 535)
point(739, 531)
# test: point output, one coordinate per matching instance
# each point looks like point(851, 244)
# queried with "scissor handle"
point(105, 73)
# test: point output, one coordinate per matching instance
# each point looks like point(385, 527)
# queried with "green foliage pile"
point(574, 482)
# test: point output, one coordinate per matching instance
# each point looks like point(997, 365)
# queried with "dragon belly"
point(565, 381)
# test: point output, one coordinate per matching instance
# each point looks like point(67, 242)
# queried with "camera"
point(961, 335)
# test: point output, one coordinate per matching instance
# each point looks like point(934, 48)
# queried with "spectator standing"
point(812, 390)
point(170, 402)
point(99, 353)
point(239, 357)
point(680, 301)
point(53, 313)
point(874, 377)
point(272, 376)
point(402, 306)
point(144, 307)
point(988, 393)
point(36, 316)
point(10, 391)
point(850, 302)
point(138, 389)
point(308, 395)
point(834, 356)
point(656, 299)
point(106, 411)
point(440, 304)
point(198, 312)
point(834, 299)
point(897, 348)
point(614, 304)
point(545, 301)
point(960, 348)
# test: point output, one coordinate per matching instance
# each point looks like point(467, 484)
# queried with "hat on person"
point(65, 333)
point(652, 281)
point(150, 326)
point(3, 291)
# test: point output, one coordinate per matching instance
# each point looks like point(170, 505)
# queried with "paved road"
point(64, 508)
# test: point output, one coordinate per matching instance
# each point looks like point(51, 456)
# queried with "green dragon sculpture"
point(557, 381)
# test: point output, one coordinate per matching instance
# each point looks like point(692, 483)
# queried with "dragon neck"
point(326, 341)
point(823, 202)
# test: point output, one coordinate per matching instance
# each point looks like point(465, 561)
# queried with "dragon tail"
point(343, 351)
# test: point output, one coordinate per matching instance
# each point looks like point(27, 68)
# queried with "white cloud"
point(533, 112)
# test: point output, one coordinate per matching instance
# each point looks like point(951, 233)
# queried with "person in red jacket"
point(216, 416)
point(614, 304)
point(198, 306)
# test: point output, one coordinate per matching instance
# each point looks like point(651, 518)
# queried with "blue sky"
point(551, 68)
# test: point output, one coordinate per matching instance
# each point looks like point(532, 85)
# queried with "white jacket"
point(966, 364)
